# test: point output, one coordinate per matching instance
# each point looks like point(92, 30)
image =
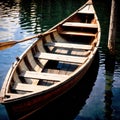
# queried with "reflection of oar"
point(5, 45)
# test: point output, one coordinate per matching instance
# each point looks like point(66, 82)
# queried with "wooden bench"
point(87, 10)
point(13, 95)
point(77, 33)
point(60, 57)
point(43, 76)
point(69, 45)
point(77, 24)
point(29, 87)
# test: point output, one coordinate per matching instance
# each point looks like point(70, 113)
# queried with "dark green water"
point(97, 96)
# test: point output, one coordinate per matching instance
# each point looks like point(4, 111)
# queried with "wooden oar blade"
point(5, 47)
point(8, 44)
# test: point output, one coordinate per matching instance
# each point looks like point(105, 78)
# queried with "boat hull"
point(22, 108)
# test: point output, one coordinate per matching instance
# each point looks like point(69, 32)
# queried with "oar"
point(5, 45)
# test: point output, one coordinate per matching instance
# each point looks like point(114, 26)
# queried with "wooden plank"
point(87, 10)
point(61, 71)
point(29, 87)
point(70, 45)
point(77, 24)
point(77, 33)
point(48, 70)
point(59, 57)
point(43, 76)
point(13, 95)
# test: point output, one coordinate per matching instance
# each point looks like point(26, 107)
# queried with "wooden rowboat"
point(53, 64)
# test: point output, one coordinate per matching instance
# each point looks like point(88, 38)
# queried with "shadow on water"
point(109, 67)
point(69, 105)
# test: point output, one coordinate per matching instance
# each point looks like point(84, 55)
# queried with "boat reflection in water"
point(69, 105)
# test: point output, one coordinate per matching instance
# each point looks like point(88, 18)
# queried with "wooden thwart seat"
point(77, 24)
point(70, 45)
point(29, 87)
point(77, 33)
point(13, 95)
point(43, 76)
point(87, 10)
point(59, 57)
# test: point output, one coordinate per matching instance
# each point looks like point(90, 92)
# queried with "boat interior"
point(55, 55)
